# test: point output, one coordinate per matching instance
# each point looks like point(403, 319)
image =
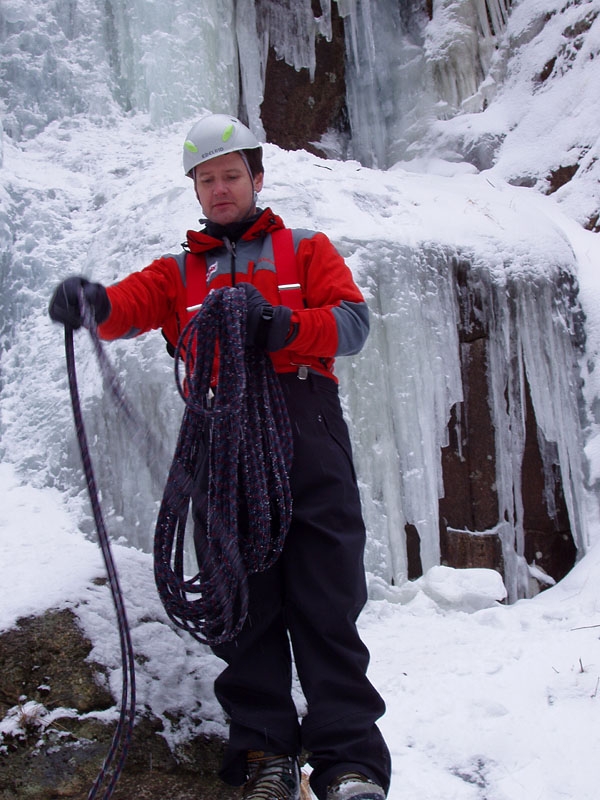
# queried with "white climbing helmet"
point(215, 135)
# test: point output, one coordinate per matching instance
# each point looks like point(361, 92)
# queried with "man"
point(311, 597)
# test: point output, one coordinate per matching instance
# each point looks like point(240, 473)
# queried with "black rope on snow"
point(115, 759)
point(250, 454)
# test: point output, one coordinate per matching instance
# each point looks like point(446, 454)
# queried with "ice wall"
point(404, 70)
point(408, 378)
point(105, 57)
point(53, 63)
point(403, 386)
point(171, 60)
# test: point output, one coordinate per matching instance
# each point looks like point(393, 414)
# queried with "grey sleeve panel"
point(301, 233)
point(180, 259)
point(352, 320)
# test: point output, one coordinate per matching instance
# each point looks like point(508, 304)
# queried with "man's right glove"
point(64, 305)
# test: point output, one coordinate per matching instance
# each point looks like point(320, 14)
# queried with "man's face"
point(225, 189)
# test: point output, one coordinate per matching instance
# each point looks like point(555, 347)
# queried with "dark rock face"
point(558, 177)
point(296, 111)
point(44, 659)
point(47, 687)
point(469, 509)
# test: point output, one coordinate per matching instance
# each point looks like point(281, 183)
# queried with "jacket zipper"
point(231, 248)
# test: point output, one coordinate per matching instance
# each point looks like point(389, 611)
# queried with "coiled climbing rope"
point(247, 431)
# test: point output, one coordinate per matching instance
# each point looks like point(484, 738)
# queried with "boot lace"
point(272, 778)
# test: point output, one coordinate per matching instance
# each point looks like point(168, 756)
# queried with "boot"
point(354, 786)
point(272, 777)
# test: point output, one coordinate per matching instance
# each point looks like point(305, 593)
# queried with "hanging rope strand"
point(115, 759)
point(250, 453)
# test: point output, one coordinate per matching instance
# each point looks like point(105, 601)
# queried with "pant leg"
point(254, 689)
point(316, 590)
point(326, 590)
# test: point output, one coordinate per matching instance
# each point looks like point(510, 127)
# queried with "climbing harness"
point(115, 760)
point(284, 258)
point(244, 420)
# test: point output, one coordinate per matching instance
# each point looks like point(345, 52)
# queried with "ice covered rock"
point(463, 589)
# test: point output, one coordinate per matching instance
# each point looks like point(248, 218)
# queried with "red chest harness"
point(284, 256)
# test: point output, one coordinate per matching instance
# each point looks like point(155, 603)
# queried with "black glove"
point(64, 305)
point(267, 326)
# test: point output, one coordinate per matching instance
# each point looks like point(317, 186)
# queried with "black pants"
point(310, 599)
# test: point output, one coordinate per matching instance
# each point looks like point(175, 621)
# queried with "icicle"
point(253, 63)
point(399, 413)
point(388, 92)
point(347, 10)
point(498, 11)
point(547, 342)
point(292, 30)
point(323, 22)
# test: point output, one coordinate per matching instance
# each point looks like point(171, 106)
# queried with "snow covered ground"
point(485, 701)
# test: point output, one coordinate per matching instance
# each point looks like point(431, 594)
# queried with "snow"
point(38, 578)
point(485, 699)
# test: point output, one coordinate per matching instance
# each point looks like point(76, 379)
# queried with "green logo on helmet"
point(227, 133)
point(190, 146)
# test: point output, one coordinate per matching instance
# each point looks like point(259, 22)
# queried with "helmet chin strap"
point(254, 192)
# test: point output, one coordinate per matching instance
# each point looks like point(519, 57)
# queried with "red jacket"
point(334, 321)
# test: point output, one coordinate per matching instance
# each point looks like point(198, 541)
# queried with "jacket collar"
point(200, 241)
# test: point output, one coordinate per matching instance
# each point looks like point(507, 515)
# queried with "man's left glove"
point(64, 305)
point(267, 326)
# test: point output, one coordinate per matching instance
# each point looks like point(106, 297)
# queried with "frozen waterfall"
point(406, 381)
point(97, 98)
point(172, 60)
